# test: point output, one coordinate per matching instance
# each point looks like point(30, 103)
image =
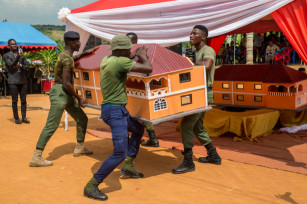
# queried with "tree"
point(48, 57)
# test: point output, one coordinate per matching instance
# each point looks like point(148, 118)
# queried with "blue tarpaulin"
point(25, 35)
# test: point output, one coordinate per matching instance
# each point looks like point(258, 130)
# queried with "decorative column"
point(249, 48)
point(147, 89)
point(169, 84)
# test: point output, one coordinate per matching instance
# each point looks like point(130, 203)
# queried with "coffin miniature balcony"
point(282, 94)
point(135, 92)
point(159, 92)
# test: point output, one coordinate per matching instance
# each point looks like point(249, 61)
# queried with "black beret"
point(72, 35)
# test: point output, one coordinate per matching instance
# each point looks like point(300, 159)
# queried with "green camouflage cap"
point(120, 42)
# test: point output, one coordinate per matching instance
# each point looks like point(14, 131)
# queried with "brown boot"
point(81, 150)
point(38, 161)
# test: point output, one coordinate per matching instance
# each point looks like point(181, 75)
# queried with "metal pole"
point(234, 48)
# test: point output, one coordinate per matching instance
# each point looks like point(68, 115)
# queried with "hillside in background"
point(54, 32)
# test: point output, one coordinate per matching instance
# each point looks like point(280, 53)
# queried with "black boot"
point(213, 157)
point(187, 164)
point(131, 173)
point(91, 190)
point(153, 141)
point(129, 170)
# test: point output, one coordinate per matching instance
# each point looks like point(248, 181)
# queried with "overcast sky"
point(37, 11)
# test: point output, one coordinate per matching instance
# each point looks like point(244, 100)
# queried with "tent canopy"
point(25, 35)
point(171, 21)
point(165, 21)
point(262, 25)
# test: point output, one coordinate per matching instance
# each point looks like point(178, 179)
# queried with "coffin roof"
point(270, 73)
point(163, 60)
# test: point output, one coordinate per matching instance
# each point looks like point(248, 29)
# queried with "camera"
point(20, 51)
point(191, 55)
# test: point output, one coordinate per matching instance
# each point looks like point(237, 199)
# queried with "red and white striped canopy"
point(166, 21)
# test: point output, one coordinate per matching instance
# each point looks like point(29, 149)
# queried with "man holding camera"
point(17, 66)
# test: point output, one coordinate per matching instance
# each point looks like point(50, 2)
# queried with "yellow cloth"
point(291, 118)
point(249, 124)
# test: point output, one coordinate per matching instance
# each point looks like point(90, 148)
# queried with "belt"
point(209, 88)
point(112, 105)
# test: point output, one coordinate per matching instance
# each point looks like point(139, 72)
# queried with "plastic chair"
point(282, 50)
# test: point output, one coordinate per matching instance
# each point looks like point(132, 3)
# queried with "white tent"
point(165, 21)
point(171, 21)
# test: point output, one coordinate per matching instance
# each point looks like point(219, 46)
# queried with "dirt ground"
point(231, 182)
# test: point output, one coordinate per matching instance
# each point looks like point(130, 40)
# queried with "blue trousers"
point(118, 118)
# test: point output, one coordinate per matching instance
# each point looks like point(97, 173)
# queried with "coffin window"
point(258, 87)
point(160, 104)
point(225, 86)
point(185, 77)
point(226, 97)
point(186, 99)
point(299, 101)
point(88, 94)
point(240, 97)
point(240, 86)
point(156, 83)
point(86, 76)
point(76, 75)
point(78, 91)
point(258, 98)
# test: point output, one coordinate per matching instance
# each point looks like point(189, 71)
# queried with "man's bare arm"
point(87, 52)
point(207, 62)
point(144, 67)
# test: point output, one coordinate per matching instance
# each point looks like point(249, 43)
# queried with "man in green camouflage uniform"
point(62, 97)
point(193, 124)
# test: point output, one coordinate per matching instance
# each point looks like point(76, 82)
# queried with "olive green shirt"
point(207, 52)
point(113, 76)
point(65, 62)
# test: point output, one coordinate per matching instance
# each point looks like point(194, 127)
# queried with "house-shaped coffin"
point(175, 87)
point(271, 86)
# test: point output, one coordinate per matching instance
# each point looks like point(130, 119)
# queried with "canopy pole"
point(234, 49)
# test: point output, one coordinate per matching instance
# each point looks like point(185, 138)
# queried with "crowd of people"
point(267, 48)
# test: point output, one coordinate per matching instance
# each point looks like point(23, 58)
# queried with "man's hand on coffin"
point(133, 54)
point(142, 52)
point(207, 62)
point(145, 65)
point(81, 102)
point(89, 51)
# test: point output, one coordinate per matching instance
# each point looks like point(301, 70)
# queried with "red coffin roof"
point(162, 59)
point(274, 73)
